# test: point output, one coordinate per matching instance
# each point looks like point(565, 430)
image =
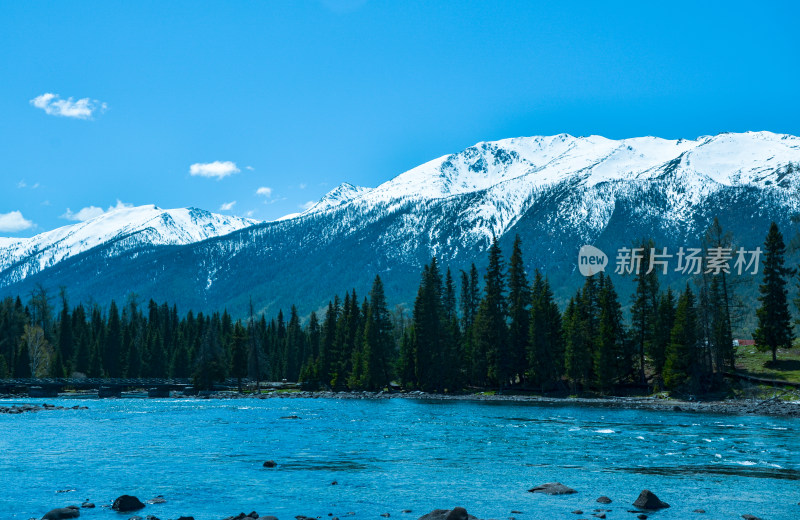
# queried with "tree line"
point(498, 330)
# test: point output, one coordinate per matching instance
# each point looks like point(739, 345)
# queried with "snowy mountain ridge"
point(503, 176)
point(139, 225)
point(556, 192)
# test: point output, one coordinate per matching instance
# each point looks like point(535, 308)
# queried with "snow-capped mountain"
point(509, 172)
point(120, 229)
point(557, 193)
point(341, 194)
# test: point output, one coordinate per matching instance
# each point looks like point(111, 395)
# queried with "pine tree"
point(253, 350)
point(327, 349)
point(295, 345)
point(208, 366)
point(546, 336)
point(430, 332)
point(406, 362)
point(470, 301)
point(774, 321)
point(378, 341)
point(239, 354)
point(113, 342)
point(519, 301)
point(681, 356)
point(491, 331)
point(65, 340)
point(644, 309)
point(609, 363)
point(722, 294)
point(665, 320)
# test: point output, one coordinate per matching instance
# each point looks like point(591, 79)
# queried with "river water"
point(205, 457)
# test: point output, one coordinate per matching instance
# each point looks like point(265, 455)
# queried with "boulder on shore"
point(127, 503)
point(62, 513)
point(553, 488)
point(648, 500)
point(458, 513)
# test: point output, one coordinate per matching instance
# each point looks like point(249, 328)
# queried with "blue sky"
point(298, 96)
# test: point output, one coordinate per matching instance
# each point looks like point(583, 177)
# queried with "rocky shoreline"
point(775, 407)
point(18, 409)
point(646, 504)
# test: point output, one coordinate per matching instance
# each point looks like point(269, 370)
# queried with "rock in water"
point(458, 513)
point(604, 500)
point(750, 517)
point(553, 488)
point(127, 503)
point(62, 513)
point(270, 464)
point(648, 500)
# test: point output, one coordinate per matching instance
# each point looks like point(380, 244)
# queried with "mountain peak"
point(341, 194)
point(143, 225)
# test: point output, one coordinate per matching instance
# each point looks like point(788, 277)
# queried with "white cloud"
point(14, 221)
point(264, 191)
point(218, 169)
point(227, 206)
point(22, 185)
point(53, 105)
point(303, 185)
point(90, 212)
point(249, 168)
point(308, 205)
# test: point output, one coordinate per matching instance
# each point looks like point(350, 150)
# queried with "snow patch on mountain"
point(143, 225)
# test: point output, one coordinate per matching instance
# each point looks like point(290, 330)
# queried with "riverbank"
point(773, 406)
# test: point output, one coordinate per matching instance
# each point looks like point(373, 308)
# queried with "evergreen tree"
point(295, 345)
point(65, 340)
point(453, 355)
point(253, 350)
point(378, 341)
point(430, 330)
point(470, 302)
point(609, 361)
point(328, 342)
point(239, 354)
point(681, 358)
point(208, 366)
point(406, 365)
point(546, 336)
point(519, 300)
point(665, 320)
point(491, 331)
point(113, 342)
point(95, 361)
point(721, 295)
point(774, 321)
point(644, 309)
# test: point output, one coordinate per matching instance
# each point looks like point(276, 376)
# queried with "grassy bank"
point(759, 364)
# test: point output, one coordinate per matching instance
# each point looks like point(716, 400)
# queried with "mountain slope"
point(116, 230)
point(556, 192)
